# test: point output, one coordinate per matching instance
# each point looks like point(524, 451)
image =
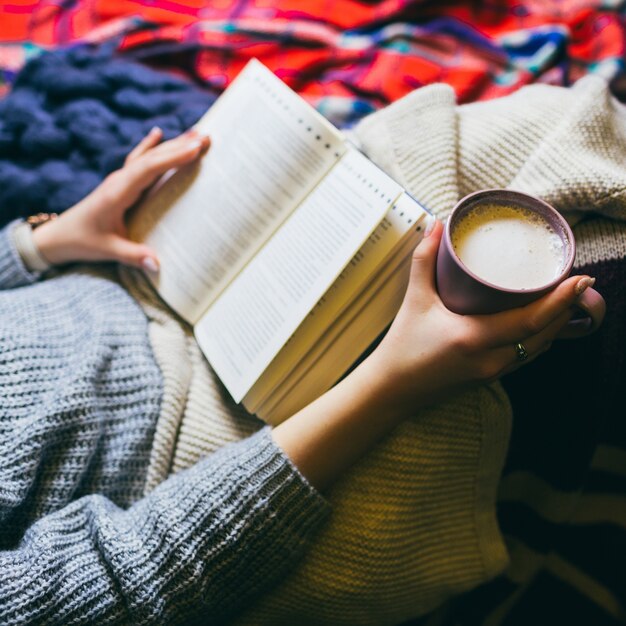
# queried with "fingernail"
point(195, 144)
point(150, 264)
point(429, 227)
point(582, 284)
point(154, 130)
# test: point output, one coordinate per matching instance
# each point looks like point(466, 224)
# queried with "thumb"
point(425, 258)
point(134, 254)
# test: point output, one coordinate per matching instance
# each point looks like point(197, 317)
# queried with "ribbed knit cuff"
point(226, 530)
point(207, 541)
point(13, 272)
point(234, 524)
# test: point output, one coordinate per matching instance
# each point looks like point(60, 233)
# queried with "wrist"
point(48, 241)
point(400, 388)
point(26, 245)
point(380, 389)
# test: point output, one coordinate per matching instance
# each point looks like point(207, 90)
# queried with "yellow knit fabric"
point(413, 524)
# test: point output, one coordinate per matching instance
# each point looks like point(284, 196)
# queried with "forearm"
point(53, 242)
point(333, 432)
point(428, 354)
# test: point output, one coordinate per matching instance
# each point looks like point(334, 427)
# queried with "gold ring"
point(521, 352)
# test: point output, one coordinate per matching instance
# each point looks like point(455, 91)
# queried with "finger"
point(589, 312)
point(178, 141)
point(180, 144)
point(133, 254)
point(149, 141)
point(146, 170)
point(507, 327)
point(176, 157)
point(534, 346)
point(142, 172)
point(424, 259)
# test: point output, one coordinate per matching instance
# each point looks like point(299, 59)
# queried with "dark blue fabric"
point(71, 118)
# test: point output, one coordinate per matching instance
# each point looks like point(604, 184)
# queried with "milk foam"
point(508, 246)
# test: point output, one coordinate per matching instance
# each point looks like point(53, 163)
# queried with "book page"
point(403, 220)
point(350, 342)
point(245, 328)
point(268, 150)
point(345, 340)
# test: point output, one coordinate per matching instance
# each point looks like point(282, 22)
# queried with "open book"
point(285, 248)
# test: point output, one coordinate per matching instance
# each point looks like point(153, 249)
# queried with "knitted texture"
point(458, 544)
point(566, 146)
point(415, 521)
point(81, 394)
point(426, 493)
point(80, 389)
point(413, 524)
point(72, 117)
point(197, 415)
point(560, 500)
point(557, 501)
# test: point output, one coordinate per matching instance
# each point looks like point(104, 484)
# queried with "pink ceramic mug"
point(464, 291)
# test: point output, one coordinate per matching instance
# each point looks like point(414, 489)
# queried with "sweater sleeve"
point(13, 272)
point(203, 543)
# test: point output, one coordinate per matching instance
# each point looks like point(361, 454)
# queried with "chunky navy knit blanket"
point(72, 117)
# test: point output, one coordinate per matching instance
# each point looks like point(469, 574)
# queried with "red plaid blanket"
point(347, 57)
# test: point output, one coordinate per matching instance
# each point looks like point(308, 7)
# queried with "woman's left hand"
point(95, 228)
point(430, 352)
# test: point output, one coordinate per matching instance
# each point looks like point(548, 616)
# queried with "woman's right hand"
point(430, 352)
point(95, 228)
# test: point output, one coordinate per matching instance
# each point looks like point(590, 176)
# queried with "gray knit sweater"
point(80, 394)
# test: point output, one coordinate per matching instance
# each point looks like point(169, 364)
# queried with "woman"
point(81, 392)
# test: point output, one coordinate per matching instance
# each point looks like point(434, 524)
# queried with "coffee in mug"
point(509, 246)
point(502, 249)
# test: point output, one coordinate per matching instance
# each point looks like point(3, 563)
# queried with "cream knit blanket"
point(414, 523)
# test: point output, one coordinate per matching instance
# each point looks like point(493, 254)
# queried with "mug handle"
point(594, 305)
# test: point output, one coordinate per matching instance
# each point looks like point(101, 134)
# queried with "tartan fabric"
point(347, 57)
